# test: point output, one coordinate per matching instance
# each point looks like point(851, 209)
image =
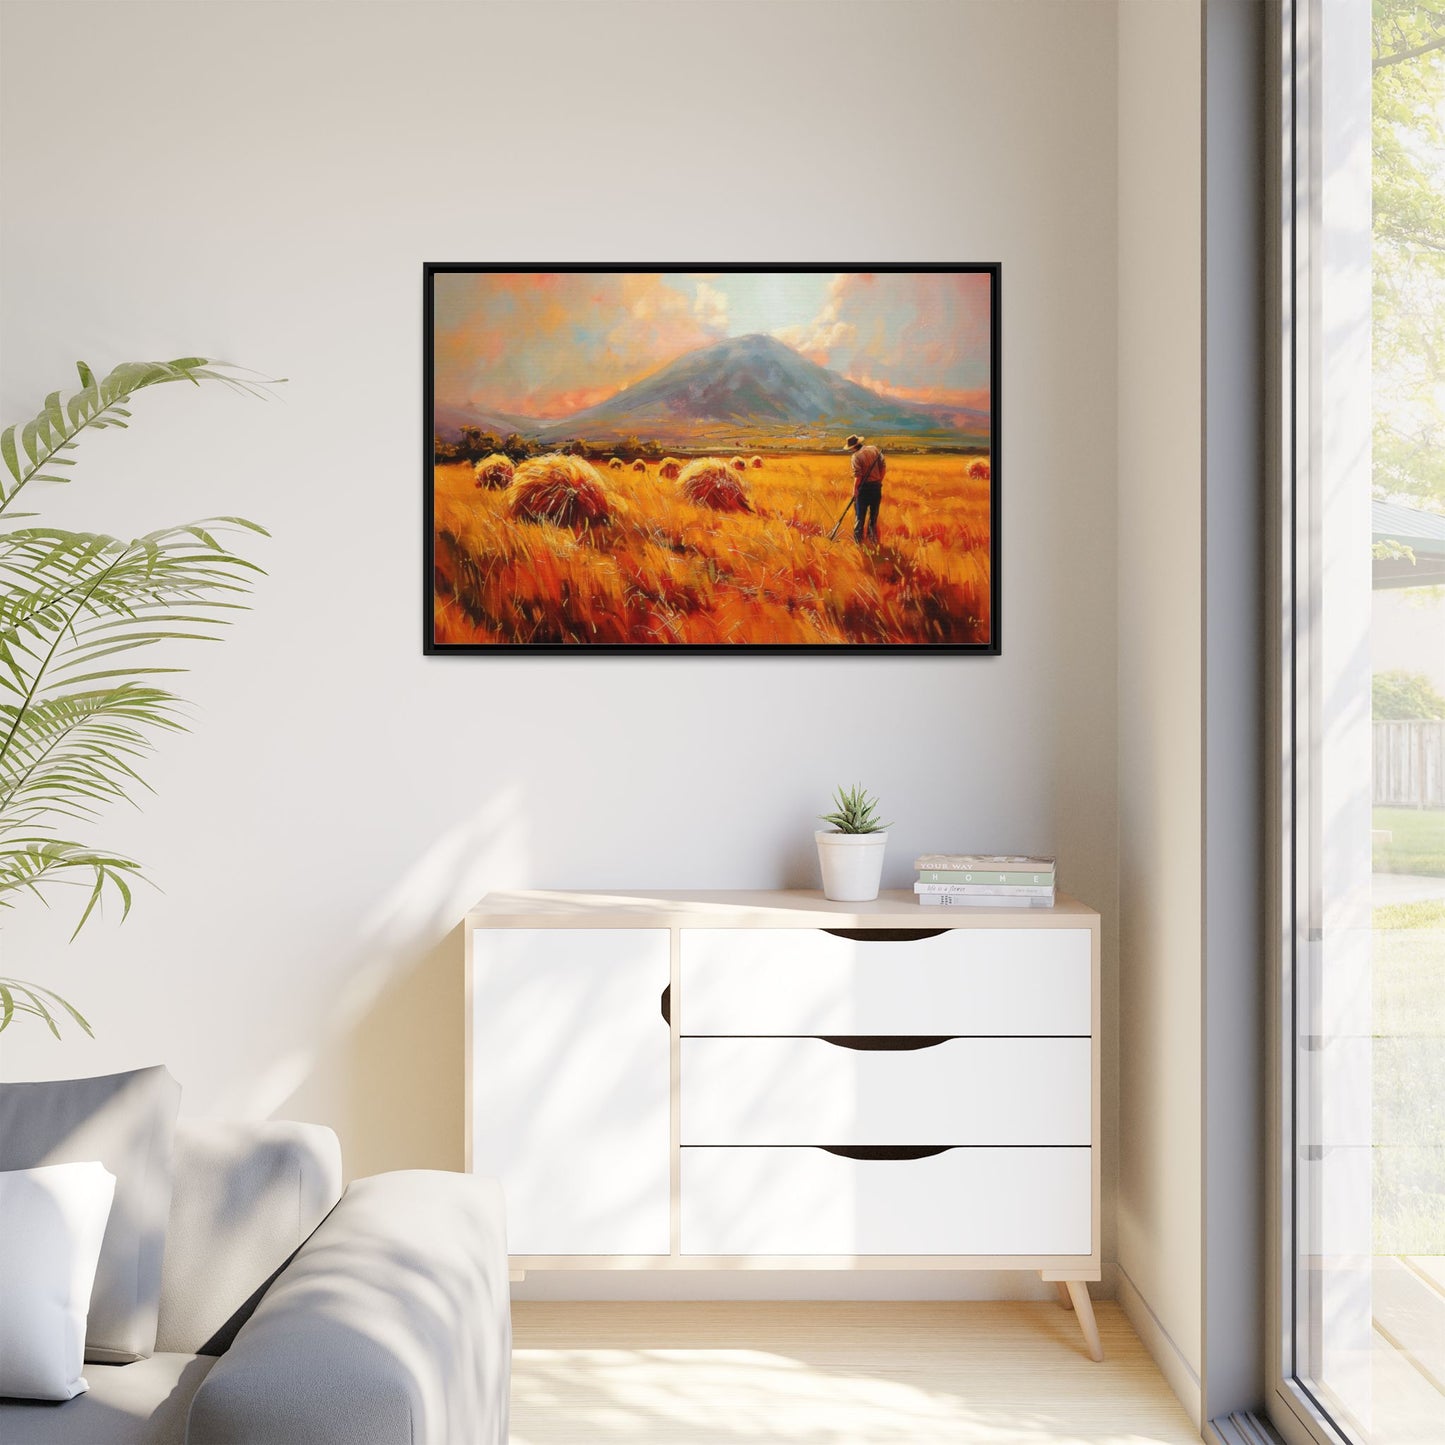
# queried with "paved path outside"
point(1388, 888)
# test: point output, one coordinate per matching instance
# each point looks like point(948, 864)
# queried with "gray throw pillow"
point(127, 1122)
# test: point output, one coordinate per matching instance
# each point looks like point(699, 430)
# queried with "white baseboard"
point(1172, 1363)
point(790, 1285)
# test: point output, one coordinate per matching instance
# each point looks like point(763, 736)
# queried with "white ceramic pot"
point(852, 864)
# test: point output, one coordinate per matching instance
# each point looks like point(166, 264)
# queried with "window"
point(1361, 1027)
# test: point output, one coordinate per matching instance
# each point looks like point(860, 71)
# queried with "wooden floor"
point(832, 1374)
point(1408, 1360)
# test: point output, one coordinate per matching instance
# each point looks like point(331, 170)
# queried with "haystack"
point(494, 471)
point(639, 465)
point(615, 464)
point(979, 471)
point(561, 489)
point(756, 462)
point(670, 469)
point(738, 464)
point(710, 482)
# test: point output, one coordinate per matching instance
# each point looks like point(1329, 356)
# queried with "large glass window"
point(1363, 1211)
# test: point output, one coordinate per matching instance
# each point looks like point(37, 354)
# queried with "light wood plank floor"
point(832, 1374)
point(1408, 1361)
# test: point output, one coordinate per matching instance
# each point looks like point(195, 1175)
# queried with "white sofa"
point(292, 1313)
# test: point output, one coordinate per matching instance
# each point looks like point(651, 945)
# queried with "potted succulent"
point(850, 851)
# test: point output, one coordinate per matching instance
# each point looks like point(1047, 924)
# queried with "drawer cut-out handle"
point(667, 1005)
point(886, 935)
point(886, 1043)
point(885, 1151)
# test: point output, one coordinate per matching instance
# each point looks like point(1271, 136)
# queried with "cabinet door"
point(569, 1077)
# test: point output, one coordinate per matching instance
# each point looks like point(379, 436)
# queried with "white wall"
point(263, 183)
point(1160, 685)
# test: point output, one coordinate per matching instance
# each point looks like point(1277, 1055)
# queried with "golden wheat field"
point(663, 570)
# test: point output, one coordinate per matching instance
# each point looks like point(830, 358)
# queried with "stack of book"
point(984, 880)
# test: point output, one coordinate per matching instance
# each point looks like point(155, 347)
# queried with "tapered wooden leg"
point(1084, 1309)
point(1063, 1290)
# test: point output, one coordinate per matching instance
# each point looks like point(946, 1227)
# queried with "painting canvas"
point(712, 459)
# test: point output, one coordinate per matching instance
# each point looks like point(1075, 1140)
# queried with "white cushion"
point(52, 1220)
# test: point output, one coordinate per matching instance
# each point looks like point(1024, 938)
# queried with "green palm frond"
point(19, 997)
point(28, 449)
point(69, 600)
point(27, 865)
point(80, 616)
point(72, 752)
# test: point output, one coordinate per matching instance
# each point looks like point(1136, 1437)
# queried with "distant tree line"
point(472, 444)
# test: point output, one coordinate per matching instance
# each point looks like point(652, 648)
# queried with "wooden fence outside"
point(1410, 764)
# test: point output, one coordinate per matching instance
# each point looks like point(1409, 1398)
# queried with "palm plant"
point(80, 702)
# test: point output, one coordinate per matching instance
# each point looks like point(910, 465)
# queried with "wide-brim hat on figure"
point(852, 444)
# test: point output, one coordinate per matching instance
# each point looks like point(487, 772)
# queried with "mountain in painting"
point(448, 421)
point(753, 389)
point(755, 385)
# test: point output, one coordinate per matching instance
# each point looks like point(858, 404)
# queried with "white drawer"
point(810, 1202)
point(963, 981)
point(961, 1091)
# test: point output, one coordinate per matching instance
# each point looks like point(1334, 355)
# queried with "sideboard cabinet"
point(700, 1081)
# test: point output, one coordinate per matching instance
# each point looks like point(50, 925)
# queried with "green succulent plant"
point(79, 614)
point(856, 812)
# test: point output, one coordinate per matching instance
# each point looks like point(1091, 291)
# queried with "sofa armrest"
point(391, 1324)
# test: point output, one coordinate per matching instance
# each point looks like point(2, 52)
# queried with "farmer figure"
point(869, 468)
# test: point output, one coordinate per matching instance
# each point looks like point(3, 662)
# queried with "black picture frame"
point(991, 647)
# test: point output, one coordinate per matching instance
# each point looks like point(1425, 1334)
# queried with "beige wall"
point(1160, 683)
point(263, 183)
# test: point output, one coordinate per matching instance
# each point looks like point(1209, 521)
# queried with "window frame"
point(1294, 452)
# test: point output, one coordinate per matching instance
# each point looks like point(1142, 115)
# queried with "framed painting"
point(712, 459)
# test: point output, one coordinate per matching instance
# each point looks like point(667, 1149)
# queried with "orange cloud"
point(974, 399)
point(826, 334)
point(918, 335)
point(545, 344)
